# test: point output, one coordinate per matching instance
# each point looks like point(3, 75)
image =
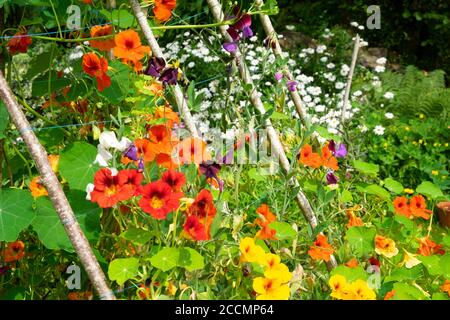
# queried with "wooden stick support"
point(56, 193)
point(302, 201)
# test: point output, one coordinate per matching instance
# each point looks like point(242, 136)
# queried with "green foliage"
point(16, 213)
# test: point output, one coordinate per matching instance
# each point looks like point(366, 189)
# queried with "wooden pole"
point(56, 193)
point(156, 50)
point(349, 80)
point(302, 201)
point(276, 48)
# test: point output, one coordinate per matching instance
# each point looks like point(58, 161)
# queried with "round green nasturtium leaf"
point(16, 213)
point(190, 259)
point(393, 186)
point(405, 291)
point(49, 228)
point(445, 266)
point(376, 190)
point(122, 270)
point(432, 263)
point(284, 230)
point(77, 166)
point(165, 259)
point(361, 240)
point(366, 167)
point(429, 189)
point(137, 235)
point(351, 274)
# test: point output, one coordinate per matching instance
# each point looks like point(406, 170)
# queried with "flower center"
point(111, 191)
point(156, 202)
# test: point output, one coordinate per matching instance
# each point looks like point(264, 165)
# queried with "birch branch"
point(56, 193)
point(179, 97)
point(302, 201)
point(349, 80)
point(272, 35)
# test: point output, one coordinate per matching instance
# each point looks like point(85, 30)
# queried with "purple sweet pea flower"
point(292, 85)
point(341, 151)
point(155, 67)
point(211, 170)
point(169, 76)
point(278, 76)
point(332, 146)
point(247, 32)
point(234, 34)
point(331, 178)
point(141, 165)
point(131, 152)
point(245, 21)
point(230, 47)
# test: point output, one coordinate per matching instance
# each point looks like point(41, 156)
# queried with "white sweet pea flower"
point(108, 141)
point(89, 188)
point(103, 156)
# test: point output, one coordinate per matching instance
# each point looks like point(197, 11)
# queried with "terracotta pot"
point(444, 213)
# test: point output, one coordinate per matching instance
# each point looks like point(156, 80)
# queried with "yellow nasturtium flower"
point(275, 269)
point(250, 252)
point(270, 289)
point(359, 290)
point(385, 246)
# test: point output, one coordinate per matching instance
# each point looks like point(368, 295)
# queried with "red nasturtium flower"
point(14, 251)
point(158, 199)
point(321, 250)
point(401, 206)
point(428, 247)
point(200, 216)
point(163, 9)
point(131, 180)
point(310, 158)
point(109, 189)
point(328, 160)
point(19, 43)
point(97, 67)
point(129, 48)
point(37, 189)
point(266, 218)
point(100, 31)
point(418, 207)
point(176, 180)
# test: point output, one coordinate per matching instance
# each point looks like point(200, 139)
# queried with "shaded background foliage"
point(417, 30)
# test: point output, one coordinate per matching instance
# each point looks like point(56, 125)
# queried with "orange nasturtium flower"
point(168, 114)
point(100, 31)
point(80, 295)
point(309, 158)
point(54, 162)
point(97, 67)
point(163, 9)
point(389, 295)
point(200, 214)
point(129, 48)
point(37, 189)
point(266, 218)
point(321, 250)
point(418, 207)
point(401, 206)
point(428, 247)
point(446, 287)
point(191, 150)
point(14, 251)
point(353, 220)
point(161, 139)
point(19, 43)
point(353, 263)
point(385, 246)
point(328, 160)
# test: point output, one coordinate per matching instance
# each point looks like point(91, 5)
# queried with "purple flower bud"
point(231, 47)
point(247, 32)
point(141, 165)
point(292, 85)
point(155, 66)
point(169, 76)
point(331, 178)
point(278, 76)
point(341, 151)
point(3, 270)
point(332, 146)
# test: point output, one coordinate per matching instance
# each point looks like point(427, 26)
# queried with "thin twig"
point(56, 193)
